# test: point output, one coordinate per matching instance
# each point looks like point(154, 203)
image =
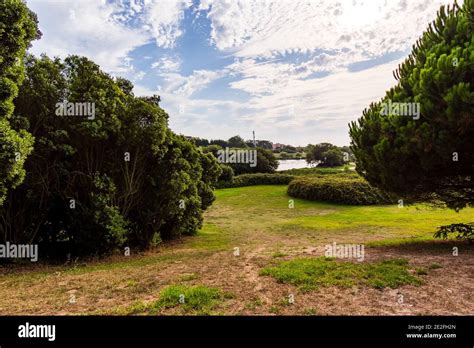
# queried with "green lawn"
point(267, 207)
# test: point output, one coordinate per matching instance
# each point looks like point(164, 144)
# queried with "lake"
point(292, 164)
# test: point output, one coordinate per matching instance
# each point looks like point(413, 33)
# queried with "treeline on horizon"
point(322, 154)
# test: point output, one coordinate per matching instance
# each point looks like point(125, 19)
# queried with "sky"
point(294, 71)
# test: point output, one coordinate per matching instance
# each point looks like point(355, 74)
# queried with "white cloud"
point(262, 28)
point(166, 64)
point(85, 28)
point(331, 102)
point(163, 19)
point(197, 81)
point(106, 31)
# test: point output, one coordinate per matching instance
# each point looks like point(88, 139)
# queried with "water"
point(292, 164)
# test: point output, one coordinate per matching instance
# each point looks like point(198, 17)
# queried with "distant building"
point(277, 146)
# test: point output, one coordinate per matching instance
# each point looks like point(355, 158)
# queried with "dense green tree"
point(236, 141)
point(266, 163)
point(18, 27)
point(214, 149)
point(120, 178)
point(220, 142)
point(332, 158)
point(429, 155)
point(325, 155)
point(200, 142)
point(227, 173)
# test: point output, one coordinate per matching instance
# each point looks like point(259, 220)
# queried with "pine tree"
point(429, 157)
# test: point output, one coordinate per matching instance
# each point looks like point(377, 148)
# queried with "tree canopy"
point(325, 155)
point(430, 156)
point(121, 178)
point(18, 27)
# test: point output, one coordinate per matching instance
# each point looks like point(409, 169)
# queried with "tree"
point(220, 142)
point(96, 184)
point(332, 158)
point(430, 155)
point(227, 173)
point(236, 141)
point(214, 149)
point(201, 142)
point(266, 163)
point(325, 155)
point(18, 27)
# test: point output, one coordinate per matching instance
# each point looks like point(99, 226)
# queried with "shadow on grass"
point(422, 245)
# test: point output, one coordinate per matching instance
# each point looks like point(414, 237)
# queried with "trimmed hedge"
point(318, 171)
point(256, 179)
point(340, 189)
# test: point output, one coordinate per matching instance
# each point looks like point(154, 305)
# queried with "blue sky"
point(296, 72)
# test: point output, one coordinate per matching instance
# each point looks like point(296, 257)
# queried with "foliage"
point(18, 27)
point(342, 189)
point(236, 141)
point(264, 144)
point(93, 185)
point(265, 161)
point(219, 142)
point(462, 231)
point(316, 171)
point(429, 156)
point(227, 173)
point(325, 155)
point(256, 179)
point(214, 149)
point(200, 141)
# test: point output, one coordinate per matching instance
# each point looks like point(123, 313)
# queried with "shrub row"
point(341, 189)
point(320, 171)
point(257, 179)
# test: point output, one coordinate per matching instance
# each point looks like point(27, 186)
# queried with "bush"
point(227, 173)
point(343, 189)
point(257, 179)
point(318, 171)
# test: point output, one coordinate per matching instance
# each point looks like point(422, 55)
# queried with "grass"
point(435, 266)
point(188, 277)
point(310, 273)
point(198, 299)
point(265, 208)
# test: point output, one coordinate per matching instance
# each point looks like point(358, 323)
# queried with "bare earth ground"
point(257, 220)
